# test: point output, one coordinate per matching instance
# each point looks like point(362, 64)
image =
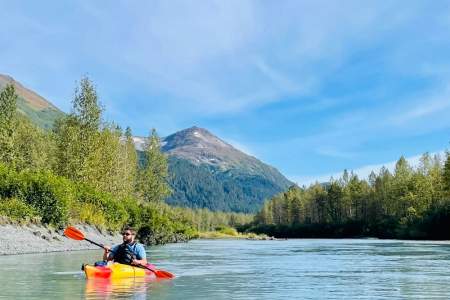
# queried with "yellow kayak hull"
point(116, 270)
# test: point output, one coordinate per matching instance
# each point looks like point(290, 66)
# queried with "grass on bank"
point(231, 233)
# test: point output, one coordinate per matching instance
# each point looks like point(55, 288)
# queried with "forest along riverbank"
point(32, 238)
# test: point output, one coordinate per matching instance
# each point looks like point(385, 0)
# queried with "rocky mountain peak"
point(193, 138)
point(200, 146)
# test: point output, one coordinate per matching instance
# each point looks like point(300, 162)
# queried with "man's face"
point(128, 236)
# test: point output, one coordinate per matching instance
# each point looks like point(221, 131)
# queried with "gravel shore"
point(20, 239)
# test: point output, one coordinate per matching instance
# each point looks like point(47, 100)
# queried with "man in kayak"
point(129, 252)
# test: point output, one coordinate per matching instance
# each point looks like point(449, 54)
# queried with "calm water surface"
point(224, 269)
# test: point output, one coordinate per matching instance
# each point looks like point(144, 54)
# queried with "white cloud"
point(334, 152)
point(424, 108)
point(362, 172)
point(217, 56)
point(222, 57)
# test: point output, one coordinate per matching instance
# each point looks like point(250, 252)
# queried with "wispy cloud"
point(362, 172)
point(220, 57)
point(427, 107)
point(334, 152)
point(343, 134)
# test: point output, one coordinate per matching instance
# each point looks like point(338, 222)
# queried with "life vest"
point(125, 254)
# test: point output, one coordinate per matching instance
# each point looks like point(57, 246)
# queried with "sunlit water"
point(230, 269)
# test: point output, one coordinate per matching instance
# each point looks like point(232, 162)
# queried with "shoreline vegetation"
point(409, 203)
point(232, 233)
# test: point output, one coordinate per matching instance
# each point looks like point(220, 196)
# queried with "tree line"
point(406, 203)
point(87, 170)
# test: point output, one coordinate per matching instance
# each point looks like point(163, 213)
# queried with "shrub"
point(134, 212)
point(89, 214)
point(227, 231)
point(16, 209)
point(103, 203)
point(160, 225)
point(11, 184)
point(50, 195)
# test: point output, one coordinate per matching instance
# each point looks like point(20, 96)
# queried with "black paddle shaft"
point(92, 242)
point(97, 244)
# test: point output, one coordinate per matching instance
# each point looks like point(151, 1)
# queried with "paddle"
point(75, 234)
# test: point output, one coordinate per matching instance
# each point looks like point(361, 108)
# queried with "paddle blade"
point(164, 274)
point(73, 233)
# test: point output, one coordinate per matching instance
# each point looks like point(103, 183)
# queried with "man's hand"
point(105, 254)
point(139, 262)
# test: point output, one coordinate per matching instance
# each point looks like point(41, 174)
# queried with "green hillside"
point(44, 118)
point(32, 105)
point(206, 186)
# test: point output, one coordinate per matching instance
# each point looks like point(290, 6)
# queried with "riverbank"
point(207, 235)
point(16, 238)
point(33, 238)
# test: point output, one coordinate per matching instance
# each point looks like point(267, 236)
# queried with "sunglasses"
point(127, 234)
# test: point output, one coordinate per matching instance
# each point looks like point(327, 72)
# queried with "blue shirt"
point(138, 251)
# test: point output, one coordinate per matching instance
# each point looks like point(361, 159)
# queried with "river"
point(241, 269)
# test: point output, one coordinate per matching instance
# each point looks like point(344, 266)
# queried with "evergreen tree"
point(105, 162)
point(334, 201)
point(436, 175)
point(152, 183)
point(129, 161)
point(401, 194)
point(318, 199)
point(382, 193)
point(69, 161)
point(87, 108)
point(446, 175)
point(78, 137)
point(34, 147)
point(8, 124)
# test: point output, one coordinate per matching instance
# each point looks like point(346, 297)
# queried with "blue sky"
point(310, 87)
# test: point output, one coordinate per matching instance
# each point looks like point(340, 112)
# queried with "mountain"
point(206, 172)
point(29, 103)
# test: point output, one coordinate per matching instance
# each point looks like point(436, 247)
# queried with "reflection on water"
point(136, 288)
point(228, 269)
